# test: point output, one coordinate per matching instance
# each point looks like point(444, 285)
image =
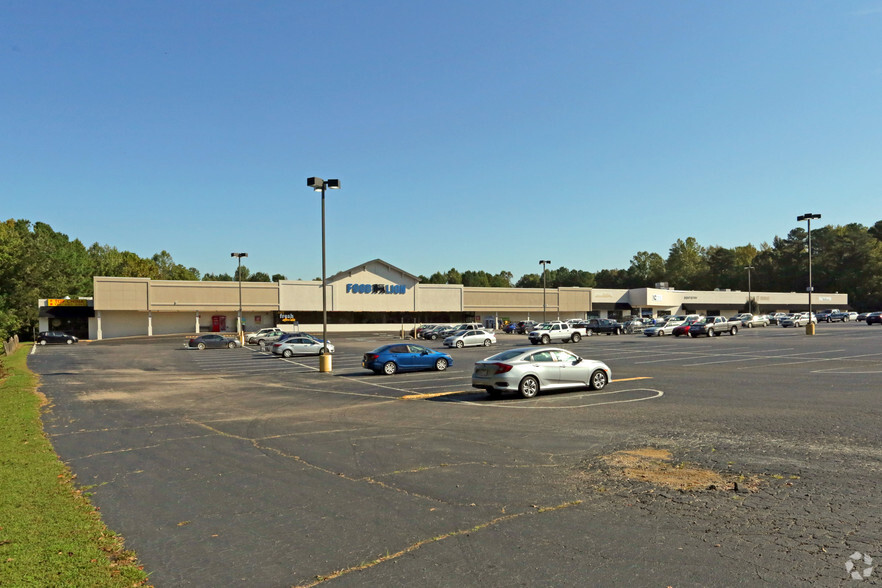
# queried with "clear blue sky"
point(475, 135)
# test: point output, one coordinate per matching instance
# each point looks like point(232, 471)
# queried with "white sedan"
point(470, 337)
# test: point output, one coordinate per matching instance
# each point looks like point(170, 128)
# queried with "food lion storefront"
point(376, 297)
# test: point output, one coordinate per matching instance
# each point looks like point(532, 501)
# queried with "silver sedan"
point(300, 346)
point(529, 370)
point(470, 337)
point(660, 330)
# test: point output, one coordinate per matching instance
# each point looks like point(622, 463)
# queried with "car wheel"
point(618, 332)
point(389, 368)
point(69, 341)
point(287, 353)
point(710, 333)
point(433, 337)
point(486, 342)
point(261, 342)
point(200, 346)
point(589, 332)
point(599, 380)
point(576, 338)
point(734, 331)
point(749, 325)
point(660, 333)
point(546, 339)
point(441, 364)
point(43, 341)
point(529, 387)
point(231, 345)
point(460, 344)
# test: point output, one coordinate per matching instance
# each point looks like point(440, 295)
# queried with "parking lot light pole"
point(543, 262)
point(320, 185)
point(810, 327)
point(239, 333)
point(749, 293)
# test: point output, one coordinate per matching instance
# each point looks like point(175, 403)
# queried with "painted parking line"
point(474, 390)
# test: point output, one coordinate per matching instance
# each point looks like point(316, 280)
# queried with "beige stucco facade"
point(377, 296)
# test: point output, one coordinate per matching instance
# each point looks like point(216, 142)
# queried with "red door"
point(218, 323)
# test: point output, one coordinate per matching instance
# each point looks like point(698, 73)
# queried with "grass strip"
point(50, 534)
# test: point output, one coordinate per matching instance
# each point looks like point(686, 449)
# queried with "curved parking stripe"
point(521, 405)
point(475, 391)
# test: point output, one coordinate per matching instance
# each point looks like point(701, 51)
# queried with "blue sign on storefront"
point(376, 289)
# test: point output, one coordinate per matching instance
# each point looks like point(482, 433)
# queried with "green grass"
point(50, 534)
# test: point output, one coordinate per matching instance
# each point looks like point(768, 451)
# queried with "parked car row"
point(433, 332)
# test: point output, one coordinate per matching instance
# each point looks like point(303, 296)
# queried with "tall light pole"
point(239, 333)
point(810, 327)
point(320, 185)
point(543, 262)
point(749, 293)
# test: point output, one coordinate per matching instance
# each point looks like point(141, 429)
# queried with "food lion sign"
point(376, 289)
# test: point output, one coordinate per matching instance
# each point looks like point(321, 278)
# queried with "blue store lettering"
point(376, 289)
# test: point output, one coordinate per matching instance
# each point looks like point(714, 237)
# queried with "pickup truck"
point(827, 314)
point(714, 325)
point(608, 326)
point(556, 331)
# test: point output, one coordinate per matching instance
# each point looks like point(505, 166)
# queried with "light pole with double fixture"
point(749, 293)
point(544, 262)
point(320, 185)
point(239, 332)
point(810, 327)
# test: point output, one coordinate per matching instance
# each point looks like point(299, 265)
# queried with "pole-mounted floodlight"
point(320, 185)
point(810, 328)
point(239, 333)
point(544, 262)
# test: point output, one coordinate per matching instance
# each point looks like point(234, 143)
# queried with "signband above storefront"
point(66, 302)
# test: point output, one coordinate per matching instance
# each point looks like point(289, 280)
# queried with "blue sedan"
point(403, 357)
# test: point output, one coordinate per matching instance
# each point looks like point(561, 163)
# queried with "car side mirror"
point(424, 352)
point(578, 361)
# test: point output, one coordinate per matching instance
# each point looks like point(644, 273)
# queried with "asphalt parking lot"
point(237, 468)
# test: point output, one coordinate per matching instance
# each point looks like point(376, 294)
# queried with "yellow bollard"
point(810, 328)
point(325, 363)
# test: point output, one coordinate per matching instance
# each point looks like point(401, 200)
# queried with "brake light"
point(501, 368)
point(371, 356)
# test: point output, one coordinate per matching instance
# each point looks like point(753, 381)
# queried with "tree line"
point(38, 262)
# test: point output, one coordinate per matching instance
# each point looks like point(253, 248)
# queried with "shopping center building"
point(373, 297)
